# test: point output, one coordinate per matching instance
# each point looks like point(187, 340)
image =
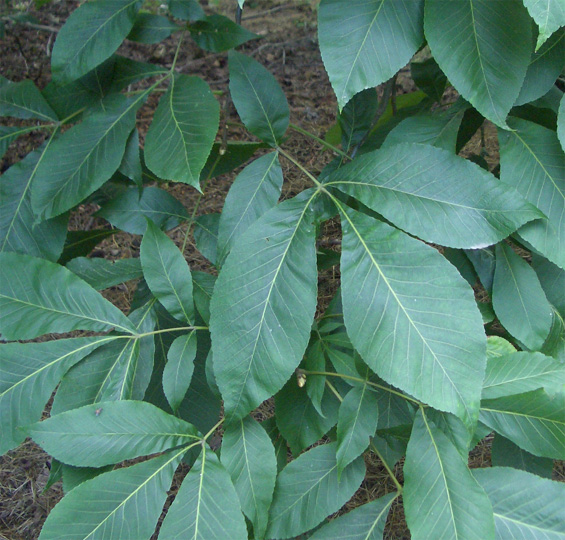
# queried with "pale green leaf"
point(531, 160)
point(525, 506)
point(83, 158)
point(249, 457)
point(356, 424)
point(521, 372)
point(484, 48)
point(561, 123)
point(206, 506)
point(255, 191)
point(366, 522)
point(24, 100)
point(182, 131)
point(179, 368)
point(518, 299)
point(399, 297)
point(167, 273)
point(90, 35)
point(29, 373)
point(260, 324)
point(31, 303)
point(535, 421)
point(18, 230)
point(258, 98)
point(549, 15)
point(308, 490)
point(497, 346)
point(103, 273)
point(435, 195)
point(110, 432)
point(124, 504)
point(364, 43)
point(442, 500)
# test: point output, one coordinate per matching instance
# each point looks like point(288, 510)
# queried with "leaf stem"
point(214, 428)
point(176, 54)
point(165, 330)
point(388, 469)
point(319, 140)
point(334, 390)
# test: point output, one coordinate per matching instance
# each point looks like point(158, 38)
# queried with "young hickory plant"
point(404, 363)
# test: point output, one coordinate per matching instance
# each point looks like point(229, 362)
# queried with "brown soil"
point(289, 50)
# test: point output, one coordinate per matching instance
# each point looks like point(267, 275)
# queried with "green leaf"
point(355, 41)
point(8, 134)
point(182, 131)
point(531, 160)
point(436, 129)
point(545, 66)
point(357, 117)
point(428, 77)
point(131, 162)
point(24, 100)
point(217, 33)
point(117, 370)
point(549, 15)
point(202, 288)
point(188, 10)
point(484, 49)
point(442, 500)
point(261, 325)
point(249, 457)
point(552, 280)
point(366, 522)
point(535, 421)
point(83, 158)
point(521, 372)
point(110, 432)
point(90, 35)
point(179, 368)
point(80, 243)
point(150, 28)
point(31, 303)
point(129, 212)
point(308, 490)
point(525, 506)
point(561, 123)
point(255, 191)
point(435, 195)
point(357, 423)
point(225, 158)
point(505, 453)
point(167, 273)
point(18, 230)
point(398, 297)
point(74, 476)
point(497, 346)
point(258, 98)
point(298, 419)
point(518, 299)
point(134, 496)
point(315, 360)
point(102, 273)
point(206, 235)
point(29, 373)
point(206, 506)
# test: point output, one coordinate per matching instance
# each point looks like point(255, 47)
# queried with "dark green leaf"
point(357, 117)
point(535, 421)
point(24, 100)
point(398, 297)
point(131, 162)
point(206, 506)
point(249, 457)
point(258, 98)
point(355, 41)
point(90, 35)
point(31, 303)
point(438, 196)
point(217, 33)
point(74, 476)
point(150, 28)
point(518, 299)
point(129, 212)
point(102, 273)
point(429, 77)
point(484, 263)
point(505, 453)
point(484, 49)
point(134, 495)
point(182, 131)
point(8, 134)
point(206, 235)
point(315, 360)
point(29, 373)
point(226, 158)
point(188, 10)
point(255, 191)
point(308, 490)
point(80, 243)
point(561, 123)
point(525, 506)
point(552, 279)
point(276, 254)
point(458, 259)
point(179, 368)
point(442, 500)
point(531, 160)
point(202, 288)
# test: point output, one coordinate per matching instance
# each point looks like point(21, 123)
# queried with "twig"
point(43, 27)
